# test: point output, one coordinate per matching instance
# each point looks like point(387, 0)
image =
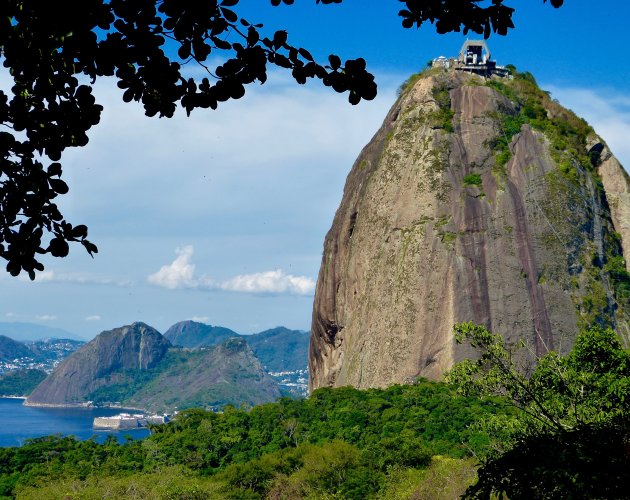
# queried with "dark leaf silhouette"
point(47, 51)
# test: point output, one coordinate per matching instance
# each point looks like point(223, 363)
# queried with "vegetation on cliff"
point(577, 163)
point(495, 188)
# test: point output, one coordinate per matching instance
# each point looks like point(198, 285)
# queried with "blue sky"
point(221, 217)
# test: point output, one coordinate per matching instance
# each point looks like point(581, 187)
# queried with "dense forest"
point(562, 430)
point(342, 441)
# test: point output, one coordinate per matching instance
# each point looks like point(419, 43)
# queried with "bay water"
point(19, 422)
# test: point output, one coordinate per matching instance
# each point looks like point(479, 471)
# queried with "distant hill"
point(193, 334)
point(280, 349)
point(11, 349)
point(20, 382)
point(227, 373)
point(30, 331)
point(137, 367)
point(53, 349)
point(42, 355)
point(105, 360)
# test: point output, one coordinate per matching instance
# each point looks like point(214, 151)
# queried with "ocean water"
point(18, 423)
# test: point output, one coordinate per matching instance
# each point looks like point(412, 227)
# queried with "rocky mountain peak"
point(479, 199)
point(100, 362)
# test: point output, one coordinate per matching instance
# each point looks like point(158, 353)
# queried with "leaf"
point(80, 231)
point(58, 186)
point(184, 51)
point(229, 15)
point(280, 39)
point(58, 247)
point(90, 247)
point(306, 54)
point(335, 62)
point(54, 169)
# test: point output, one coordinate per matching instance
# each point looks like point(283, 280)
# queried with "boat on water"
point(128, 421)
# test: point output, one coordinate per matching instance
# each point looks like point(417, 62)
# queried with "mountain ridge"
point(24, 332)
point(136, 366)
point(133, 347)
point(278, 348)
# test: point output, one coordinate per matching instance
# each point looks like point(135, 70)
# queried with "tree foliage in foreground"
point(565, 434)
point(52, 49)
point(348, 442)
point(571, 437)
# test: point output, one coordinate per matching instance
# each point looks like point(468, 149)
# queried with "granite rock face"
point(477, 200)
point(100, 362)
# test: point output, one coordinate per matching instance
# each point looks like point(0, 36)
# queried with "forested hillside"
point(342, 441)
point(557, 432)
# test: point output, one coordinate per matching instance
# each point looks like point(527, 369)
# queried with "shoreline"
point(80, 405)
point(53, 405)
point(20, 423)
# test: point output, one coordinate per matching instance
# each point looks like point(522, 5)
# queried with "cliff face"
point(478, 200)
point(100, 362)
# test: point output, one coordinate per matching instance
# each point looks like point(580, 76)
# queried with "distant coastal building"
point(128, 421)
point(474, 57)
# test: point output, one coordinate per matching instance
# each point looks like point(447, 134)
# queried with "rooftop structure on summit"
point(474, 57)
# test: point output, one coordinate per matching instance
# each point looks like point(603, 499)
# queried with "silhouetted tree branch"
point(49, 48)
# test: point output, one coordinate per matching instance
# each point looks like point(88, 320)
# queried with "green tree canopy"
point(51, 49)
point(570, 439)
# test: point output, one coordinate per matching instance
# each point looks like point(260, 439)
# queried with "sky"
point(221, 217)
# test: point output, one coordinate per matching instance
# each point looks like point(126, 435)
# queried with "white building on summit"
point(474, 57)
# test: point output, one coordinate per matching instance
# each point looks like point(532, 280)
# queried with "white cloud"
point(42, 277)
point(51, 276)
point(270, 282)
point(177, 274)
point(200, 319)
point(180, 274)
point(94, 317)
point(46, 317)
point(10, 315)
point(279, 146)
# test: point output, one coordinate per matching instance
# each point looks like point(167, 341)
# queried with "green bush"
point(472, 180)
point(443, 118)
